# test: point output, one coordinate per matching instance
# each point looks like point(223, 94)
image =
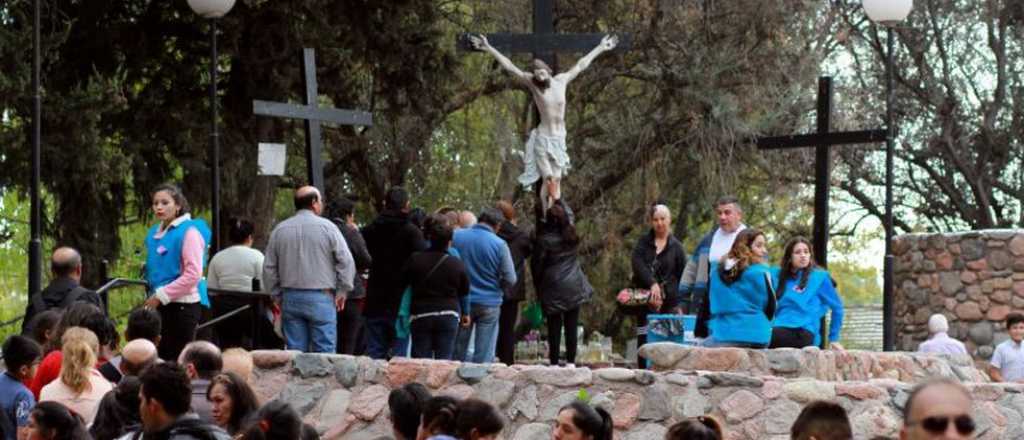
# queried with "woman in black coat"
point(559, 280)
point(658, 263)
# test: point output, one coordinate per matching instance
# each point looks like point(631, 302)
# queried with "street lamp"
point(213, 9)
point(888, 13)
point(35, 243)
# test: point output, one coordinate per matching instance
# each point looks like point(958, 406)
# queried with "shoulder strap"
point(436, 265)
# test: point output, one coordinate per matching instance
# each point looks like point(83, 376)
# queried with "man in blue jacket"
point(489, 265)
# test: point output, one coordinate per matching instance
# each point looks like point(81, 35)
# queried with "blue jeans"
point(309, 320)
point(433, 337)
point(485, 323)
point(381, 342)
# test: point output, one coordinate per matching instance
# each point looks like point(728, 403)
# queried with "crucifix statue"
point(546, 155)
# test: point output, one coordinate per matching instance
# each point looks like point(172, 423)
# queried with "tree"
point(959, 107)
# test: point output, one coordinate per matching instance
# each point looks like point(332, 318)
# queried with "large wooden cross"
point(312, 115)
point(544, 43)
point(822, 140)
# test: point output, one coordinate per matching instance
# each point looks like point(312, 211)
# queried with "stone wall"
point(974, 278)
point(346, 397)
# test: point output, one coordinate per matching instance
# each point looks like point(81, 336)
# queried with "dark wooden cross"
point(544, 43)
point(822, 140)
point(312, 115)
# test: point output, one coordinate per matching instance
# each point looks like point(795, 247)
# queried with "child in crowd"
point(21, 356)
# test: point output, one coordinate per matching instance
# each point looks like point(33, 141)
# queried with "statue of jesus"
point(545, 149)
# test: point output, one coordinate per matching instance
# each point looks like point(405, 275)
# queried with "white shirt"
point(234, 268)
point(721, 243)
point(1009, 359)
point(942, 343)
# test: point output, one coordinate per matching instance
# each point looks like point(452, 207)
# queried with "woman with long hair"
point(580, 421)
point(805, 293)
point(54, 421)
point(658, 263)
point(80, 386)
point(741, 295)
point(175, 254)
point(560, 283)
point(231, 401)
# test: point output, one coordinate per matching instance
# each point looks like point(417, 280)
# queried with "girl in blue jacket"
point(805, 293)
point(741, 297)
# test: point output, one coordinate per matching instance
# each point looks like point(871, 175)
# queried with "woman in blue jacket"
point(741, 298)
point(805, 293)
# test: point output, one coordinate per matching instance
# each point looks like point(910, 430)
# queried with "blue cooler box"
point(671, 328)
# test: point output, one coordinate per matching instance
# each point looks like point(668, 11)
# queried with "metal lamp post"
point(35, 246)
point(213, 9)
point(888, 13)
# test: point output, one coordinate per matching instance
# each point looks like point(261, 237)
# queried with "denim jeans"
point(485, 323)
point(433, 337)
point(381, 342)
point(309, 320)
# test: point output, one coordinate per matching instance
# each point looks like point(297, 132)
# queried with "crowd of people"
point(449, 285)
point(66, 379)
point(738, 298)
point(446, 285)
point(205, 394)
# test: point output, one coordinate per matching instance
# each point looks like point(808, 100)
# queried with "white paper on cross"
point(272, 158)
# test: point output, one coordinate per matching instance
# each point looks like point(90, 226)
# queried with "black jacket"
point(443, 288)
point(560, 282)
point(360, 255)
point(391, 239)
point(60, 293)
point(521, 246)
point(665, 268)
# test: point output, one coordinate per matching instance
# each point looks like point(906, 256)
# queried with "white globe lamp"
point(211, 8)
point(886, 12)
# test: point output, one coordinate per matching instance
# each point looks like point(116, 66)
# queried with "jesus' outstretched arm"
point(607, 43)
point(479, 42)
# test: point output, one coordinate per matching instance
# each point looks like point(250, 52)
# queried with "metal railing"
point(256, 304)
point(103, 292)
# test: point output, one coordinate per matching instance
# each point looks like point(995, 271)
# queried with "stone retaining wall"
point(974, 278)
point(346, 397)
point(813, 363)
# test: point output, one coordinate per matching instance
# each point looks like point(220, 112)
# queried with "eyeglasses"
point(937, 425)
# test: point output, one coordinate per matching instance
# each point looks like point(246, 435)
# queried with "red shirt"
point(49, 369)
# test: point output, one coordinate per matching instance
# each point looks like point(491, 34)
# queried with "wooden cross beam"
point(821, 141)
point(544, 43)
point(312, 115)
